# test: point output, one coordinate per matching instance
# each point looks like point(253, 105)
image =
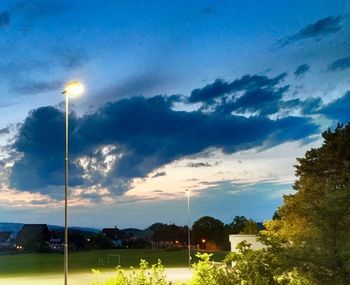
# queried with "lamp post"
point(73, 89)
point(188, 229)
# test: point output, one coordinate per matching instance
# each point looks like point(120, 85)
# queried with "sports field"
point(84, 261)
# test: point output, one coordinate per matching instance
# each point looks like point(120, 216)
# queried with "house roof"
point(30, 231)
point(112, 233)
point(4, 236)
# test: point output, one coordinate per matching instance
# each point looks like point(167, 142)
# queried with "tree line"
point(206, 232)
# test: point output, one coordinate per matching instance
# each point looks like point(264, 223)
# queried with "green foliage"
point(250, 227)
point(250, 267)
point(237, 224)
point(315, 221)
point(253, 266)
point(141, 276)
point(165, 232)
point(209, 229)
point(206, 273)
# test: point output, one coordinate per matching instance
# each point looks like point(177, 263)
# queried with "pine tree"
point(315, 221)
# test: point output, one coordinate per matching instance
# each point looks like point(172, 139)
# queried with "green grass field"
point(84, 261)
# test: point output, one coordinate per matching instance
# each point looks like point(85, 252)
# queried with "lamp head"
point(74, 88)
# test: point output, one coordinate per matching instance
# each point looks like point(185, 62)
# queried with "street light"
point(72, 89)
point(188, 229)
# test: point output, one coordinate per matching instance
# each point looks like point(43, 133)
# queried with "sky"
point(216, 97)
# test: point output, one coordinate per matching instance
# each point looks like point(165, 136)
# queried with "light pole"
point(188, 229)
point(73, 89)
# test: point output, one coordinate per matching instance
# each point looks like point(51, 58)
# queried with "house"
point(169, 236)
point(56, 245)
point(115, 235)
point(250, 239)
point(6, 239)
point(33, 237)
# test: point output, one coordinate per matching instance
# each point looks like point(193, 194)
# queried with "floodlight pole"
point(72, 88)
point(66, 196)
point(188, 229)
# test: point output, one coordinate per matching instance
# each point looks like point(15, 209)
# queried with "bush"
point(141, 276)
point(250, 267)
point(206, 273)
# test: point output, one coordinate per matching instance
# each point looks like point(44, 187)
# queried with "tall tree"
point(237, 224)
point(315, 221)
point(250, 227)
point(209, 229)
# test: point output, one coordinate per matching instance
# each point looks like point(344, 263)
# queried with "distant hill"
point(11, 227)
point(16, 227)
point(81, 229)
point(137, 232)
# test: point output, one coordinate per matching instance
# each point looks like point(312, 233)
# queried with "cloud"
point(31, 87)
point(338, 109)
point(136, 85)
point(249, 94)
point(264, 101)
point(159, 174)
point(69, 58)
point(17, 75)
point(220, 87)
point(317, 30)
point(146, 133)
point(4, 19)
point(339, 64)
point(210, 91)
point(4, 131)
point(301, 70)
point(198, 164)
point(311, 105)
point(41, 140)
point(28, 76)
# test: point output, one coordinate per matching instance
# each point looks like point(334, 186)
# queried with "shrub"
point(141, 276)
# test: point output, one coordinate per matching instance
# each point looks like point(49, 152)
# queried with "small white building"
point(56, 244)
point(250, 239)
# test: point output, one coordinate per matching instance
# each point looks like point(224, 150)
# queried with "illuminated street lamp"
point(72, 89)
point(188, 229)
point(203, 243)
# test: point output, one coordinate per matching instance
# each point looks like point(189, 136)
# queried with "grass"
point(84, 261)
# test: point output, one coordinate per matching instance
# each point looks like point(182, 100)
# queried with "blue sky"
point(219, 97)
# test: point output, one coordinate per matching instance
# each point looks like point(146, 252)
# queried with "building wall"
point(251, 239)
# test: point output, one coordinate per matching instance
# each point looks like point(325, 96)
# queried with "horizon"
point(218, 98)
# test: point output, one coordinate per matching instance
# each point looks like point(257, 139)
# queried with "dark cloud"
point(220, 87)
point(41, 140)
point(311, 105)
point(26, 76)
point(20, 77)
point(4, 19)
point(147, 134)
point(321, 28)
point(210, 91)
point(339, 64)
point(4, 131)
point(159, 174)
point(263, 101)
point(22, 67)
point(70, 58)
point(338, 109)
point(198, 164)
point(301, 70)
point(31, 87)
point(249, 94)
point(136, 85)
